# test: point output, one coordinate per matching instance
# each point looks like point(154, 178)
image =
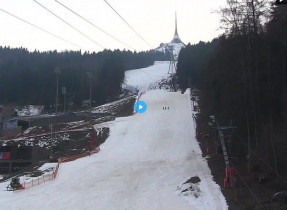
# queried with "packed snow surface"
point(142, 78)
point(142, 165)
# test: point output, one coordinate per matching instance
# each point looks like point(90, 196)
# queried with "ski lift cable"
point(41, 29)
point(95, 26)
point(128, 24)
point(73, 27)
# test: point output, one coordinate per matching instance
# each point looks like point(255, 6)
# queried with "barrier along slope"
point(52, 175)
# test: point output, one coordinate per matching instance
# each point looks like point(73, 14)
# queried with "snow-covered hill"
point(171, 47)
point(143, 164)
point(142, 78)
point(174, 46)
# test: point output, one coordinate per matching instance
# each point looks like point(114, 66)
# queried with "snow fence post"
point(226, 177)
point(225, 183)
point(226, 173)
point(232, 172)
point(208, 150)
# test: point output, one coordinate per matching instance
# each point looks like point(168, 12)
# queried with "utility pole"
point(57, 70)
point(51, 128)
point(90, 77)
point(64, 92)
point(65, 103)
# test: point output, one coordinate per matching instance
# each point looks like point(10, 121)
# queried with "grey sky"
point(153, 19)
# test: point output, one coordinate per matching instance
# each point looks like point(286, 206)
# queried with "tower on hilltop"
point(176, 38)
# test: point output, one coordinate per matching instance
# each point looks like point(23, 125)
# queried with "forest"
point(29, 77)
point(242, 76)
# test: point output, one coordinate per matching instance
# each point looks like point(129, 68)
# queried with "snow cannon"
point(15, 184)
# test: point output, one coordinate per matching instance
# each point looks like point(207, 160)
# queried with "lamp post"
point(90, 77)
point(57, 70)
point(64, 92)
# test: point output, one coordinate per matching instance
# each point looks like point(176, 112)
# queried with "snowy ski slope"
point(142, 165)
point(142, 78)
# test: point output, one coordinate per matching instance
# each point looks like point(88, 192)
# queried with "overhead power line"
point(128, 24)
point(73, 27)
point(41, 29)
point(80, 16)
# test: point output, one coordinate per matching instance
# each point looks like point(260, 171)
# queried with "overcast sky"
point(152, 19)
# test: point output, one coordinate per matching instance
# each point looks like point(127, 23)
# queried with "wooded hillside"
point(242, 76)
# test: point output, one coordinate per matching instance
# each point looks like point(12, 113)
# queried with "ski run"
point(142, 165)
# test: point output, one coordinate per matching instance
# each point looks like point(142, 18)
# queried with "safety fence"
point(138, 98)
point(56, 170)
point(52, 175)
point(38, 181)
point(94, 151)
point(140, 95)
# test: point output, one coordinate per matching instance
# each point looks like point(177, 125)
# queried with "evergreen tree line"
point(29, 77)
point(242, 75)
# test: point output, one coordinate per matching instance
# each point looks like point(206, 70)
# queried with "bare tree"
point(243, 17)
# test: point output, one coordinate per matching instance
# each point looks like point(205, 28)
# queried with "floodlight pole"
point(51, 127)
point(65, 103)
point(90, 77)
point(57, 70)
point(64, 92)
point(90, 93)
